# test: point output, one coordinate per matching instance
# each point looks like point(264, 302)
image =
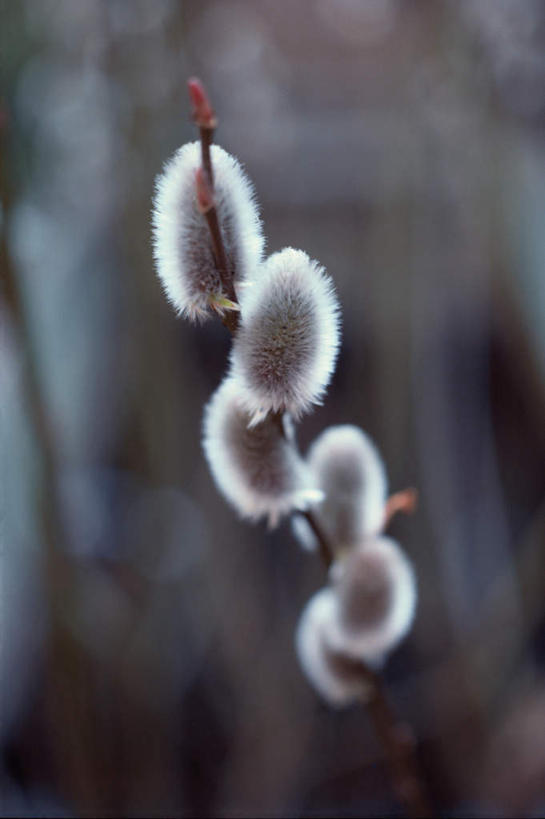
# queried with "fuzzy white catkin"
point(347, 467)
point(256, 468)
point(285, 349)
point(182, 244)
point(338, 681)
point(360, 617)
point(375, 600)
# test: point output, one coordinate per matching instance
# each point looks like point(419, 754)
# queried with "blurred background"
point(146, 634)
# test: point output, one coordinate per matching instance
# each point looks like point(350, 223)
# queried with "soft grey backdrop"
point(146, 661)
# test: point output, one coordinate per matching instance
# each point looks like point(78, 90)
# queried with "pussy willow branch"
point(396, 738)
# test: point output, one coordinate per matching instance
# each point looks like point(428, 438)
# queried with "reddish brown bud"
point(405, 501)
point(203, 113)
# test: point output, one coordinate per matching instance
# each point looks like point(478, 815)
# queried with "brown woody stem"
point(398, 741)
point(226, 276)
point(396, 738)
point(324, 548)
point(229, 318)
point(207, 134)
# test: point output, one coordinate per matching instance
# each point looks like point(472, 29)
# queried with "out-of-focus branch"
point(398, 741)
point(397, 738)
point(404, 501)
point(69, 746)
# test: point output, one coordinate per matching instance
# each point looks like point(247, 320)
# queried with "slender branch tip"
point(203, 113)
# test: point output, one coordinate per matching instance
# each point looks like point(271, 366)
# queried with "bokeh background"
point(146, 656)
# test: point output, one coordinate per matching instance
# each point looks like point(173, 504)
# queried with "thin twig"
point(206, 120)
point(397, 738)
point(398, 741)
point(324, 548)
point(207, 135)
point(326, 552)
point(225, 274)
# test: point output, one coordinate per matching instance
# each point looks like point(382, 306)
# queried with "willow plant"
point(284, 316)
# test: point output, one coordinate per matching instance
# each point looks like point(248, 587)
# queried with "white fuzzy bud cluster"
point(286, 332)
point(285, 350)
point(358, 619)
point(256, 468)
point(346, 466)
point(282, 358)
point(368, 607)
point(338, 682)
point(184, 252)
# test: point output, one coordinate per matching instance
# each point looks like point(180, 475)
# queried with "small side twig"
point(404, 501)
point(397, 739)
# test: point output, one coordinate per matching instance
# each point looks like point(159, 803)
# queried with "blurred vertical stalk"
point(69, 717)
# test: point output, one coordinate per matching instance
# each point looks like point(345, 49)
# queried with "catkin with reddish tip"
point(183, 247)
